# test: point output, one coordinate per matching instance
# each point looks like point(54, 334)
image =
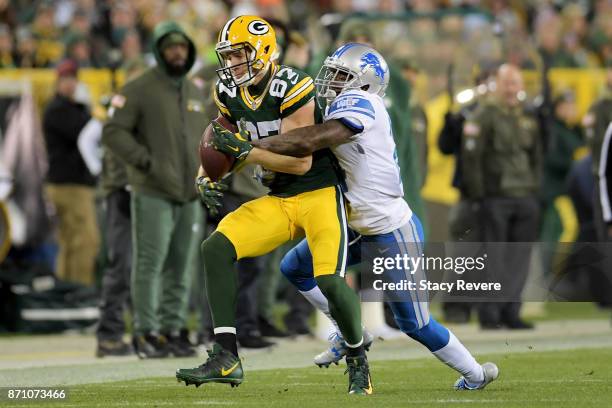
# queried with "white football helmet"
point(352, 66)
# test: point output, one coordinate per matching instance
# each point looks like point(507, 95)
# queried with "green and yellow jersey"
point(287, 90)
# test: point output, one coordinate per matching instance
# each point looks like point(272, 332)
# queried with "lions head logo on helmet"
point(370, 59)
point(352, 66)
point(246, 46)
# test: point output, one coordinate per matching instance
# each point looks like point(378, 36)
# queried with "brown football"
point(216, 164)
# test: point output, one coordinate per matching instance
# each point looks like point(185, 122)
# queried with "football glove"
point(210, 193)
point(233, 144)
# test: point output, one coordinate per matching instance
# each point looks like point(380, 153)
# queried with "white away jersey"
point(375, 191)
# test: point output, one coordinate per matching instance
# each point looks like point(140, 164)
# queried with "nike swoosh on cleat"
point(235, 149)
point(225, 373)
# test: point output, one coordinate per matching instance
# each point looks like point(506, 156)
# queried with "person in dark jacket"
point(565, 145)
point(70, 185)
point(155, 128)
point(115, 294)
point(501, 171)
point(464, 223)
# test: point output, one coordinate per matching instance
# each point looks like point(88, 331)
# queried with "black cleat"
point(179, 344)
point(114, 348)
point(150, 345)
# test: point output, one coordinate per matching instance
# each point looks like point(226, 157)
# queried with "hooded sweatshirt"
point(155, 126)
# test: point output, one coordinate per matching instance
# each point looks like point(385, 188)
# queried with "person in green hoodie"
point(155, 128)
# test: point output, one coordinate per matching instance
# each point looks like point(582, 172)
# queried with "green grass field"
point(572, 378)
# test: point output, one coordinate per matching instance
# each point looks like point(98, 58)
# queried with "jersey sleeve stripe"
point(297, 98)
point(354, 110)
point(220, 105)
point(344, 102)
point(297, 88)
point(352, 125)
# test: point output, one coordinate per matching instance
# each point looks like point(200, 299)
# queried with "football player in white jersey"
point(357, 128)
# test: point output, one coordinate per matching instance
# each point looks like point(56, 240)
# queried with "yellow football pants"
point(261, 225)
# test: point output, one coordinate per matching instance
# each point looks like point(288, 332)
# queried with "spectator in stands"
point(501, 155)
point(601, 34)
point(565, 145)
point(50, 48)
point(131, 49)
point(464, 222)
point(26, 49)
point(418, 117)
point(8, 14)
point(575, 30)
point(70, 185)
point(122, 19)
point(7, 59)
point(78, 50)
point(549, 39)
point(80, 23)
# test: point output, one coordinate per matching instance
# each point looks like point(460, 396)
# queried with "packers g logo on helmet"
point(249, 40)
point(258, 27)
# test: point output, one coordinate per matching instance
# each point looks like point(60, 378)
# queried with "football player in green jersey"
point(305, 199)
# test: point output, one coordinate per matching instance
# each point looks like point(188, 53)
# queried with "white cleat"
point(337, 349)
point(491, 372)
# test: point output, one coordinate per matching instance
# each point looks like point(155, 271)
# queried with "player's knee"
point(433, 335)
point(405, 314)
point(296, 272)
point(290, 264)
point(407, 325)
point(218, 246)
point(330, 285)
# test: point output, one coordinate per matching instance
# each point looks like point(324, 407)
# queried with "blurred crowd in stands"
point(107, 33)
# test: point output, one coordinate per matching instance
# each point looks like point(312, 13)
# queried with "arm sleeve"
point(354, 111)
point(118, 133)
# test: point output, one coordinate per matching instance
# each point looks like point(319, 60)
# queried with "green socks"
point(344, 306)
point(219, 257)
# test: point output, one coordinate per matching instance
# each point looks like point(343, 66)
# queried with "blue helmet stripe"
point(343, 49)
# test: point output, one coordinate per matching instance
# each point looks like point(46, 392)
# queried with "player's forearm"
point(280, 163)
point(304, 141)
point(289, 144)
